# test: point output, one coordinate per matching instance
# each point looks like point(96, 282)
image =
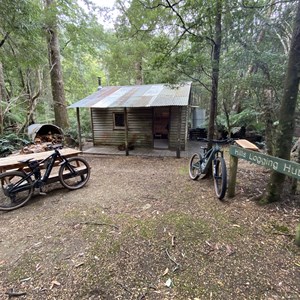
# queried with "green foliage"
point(154, 41)
point(25, 63)
point(248, 117)
point(85, 123)
point(12, 142)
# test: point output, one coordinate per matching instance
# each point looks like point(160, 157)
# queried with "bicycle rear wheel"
point(75, 173)
point(15, 190)
point(195, 166)
point(220, 177)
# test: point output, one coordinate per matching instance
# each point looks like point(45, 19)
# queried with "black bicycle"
point(199, 166)
point(18, 186)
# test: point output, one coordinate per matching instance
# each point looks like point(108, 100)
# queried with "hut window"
point(119, 120)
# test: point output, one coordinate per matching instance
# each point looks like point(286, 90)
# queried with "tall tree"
point(287, 112)
point(215, 69)
point(2, 97)
point(57, 83)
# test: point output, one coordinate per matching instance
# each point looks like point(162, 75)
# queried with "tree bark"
point(139, 73)
point(215, 71)
point(57, 84)
point(32, 99)
point(2, 98)
point(287, 112)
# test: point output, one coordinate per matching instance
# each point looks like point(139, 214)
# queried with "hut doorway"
point(161, 122)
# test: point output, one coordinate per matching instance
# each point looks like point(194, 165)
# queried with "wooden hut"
point(146, 116)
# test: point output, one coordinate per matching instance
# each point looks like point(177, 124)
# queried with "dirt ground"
point(141, 229)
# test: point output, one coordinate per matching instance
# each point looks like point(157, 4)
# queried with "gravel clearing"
point(141, 229)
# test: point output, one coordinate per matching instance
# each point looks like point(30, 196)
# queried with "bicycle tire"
point(220, 177)
point(195, 166)
point(75, 173)
point(15, 190)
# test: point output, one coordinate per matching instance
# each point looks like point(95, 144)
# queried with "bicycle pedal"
point(42, 193)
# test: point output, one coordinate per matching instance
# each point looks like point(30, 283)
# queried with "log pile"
point(49, 138)
point(41, 143)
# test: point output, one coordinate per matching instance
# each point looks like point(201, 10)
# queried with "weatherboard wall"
point(139, 127)
point(178, 127)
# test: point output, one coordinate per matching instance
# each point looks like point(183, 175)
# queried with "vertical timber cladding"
point(178, 117)
point(139, 127)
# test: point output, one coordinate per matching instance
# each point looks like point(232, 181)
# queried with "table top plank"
point(12, 162)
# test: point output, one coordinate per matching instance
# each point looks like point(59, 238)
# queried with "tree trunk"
point(215, 72)
point(32, 99)
point(57, 84)
point(268, 117)
point(296, 149)
point(139, 73)
point(2, 98)
point(287, 113)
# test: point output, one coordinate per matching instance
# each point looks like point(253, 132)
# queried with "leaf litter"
point(142, 229)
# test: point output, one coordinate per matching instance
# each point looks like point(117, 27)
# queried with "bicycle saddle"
point(25, 161)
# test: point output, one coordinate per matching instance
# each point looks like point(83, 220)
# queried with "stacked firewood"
point(41, 143)
point(34, 148)
point(49, 138)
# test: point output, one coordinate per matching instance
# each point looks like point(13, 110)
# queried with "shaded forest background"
point(235, 53)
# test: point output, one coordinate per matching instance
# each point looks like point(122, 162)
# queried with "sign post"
point(286, 167)
point(283, 166)
point(232, 176)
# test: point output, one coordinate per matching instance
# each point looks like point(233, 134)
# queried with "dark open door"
point(161, 122)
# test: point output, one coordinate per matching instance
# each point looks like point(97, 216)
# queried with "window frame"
point(118, 127)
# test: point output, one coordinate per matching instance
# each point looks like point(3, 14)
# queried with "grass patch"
point(144, 249)
point(183, 170)
point(24, 268)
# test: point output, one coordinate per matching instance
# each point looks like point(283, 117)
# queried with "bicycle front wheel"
point(75, 173)
point(220, 177)
point(15, 190)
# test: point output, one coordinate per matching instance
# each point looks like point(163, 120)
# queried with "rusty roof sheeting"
point(137, 96)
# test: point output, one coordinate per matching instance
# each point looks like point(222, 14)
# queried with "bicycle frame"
point(38, 182)
point(201, 164)
point(51, 161)
point(209, 156)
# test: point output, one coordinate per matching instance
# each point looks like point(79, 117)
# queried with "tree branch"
point(264, 6)
point(4, 39)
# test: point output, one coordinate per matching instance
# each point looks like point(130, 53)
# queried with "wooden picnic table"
point(13, 162)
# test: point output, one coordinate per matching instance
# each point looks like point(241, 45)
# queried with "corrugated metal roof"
point(137, 96)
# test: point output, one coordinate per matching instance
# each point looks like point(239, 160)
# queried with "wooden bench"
point(54, 175)
point(13, 162)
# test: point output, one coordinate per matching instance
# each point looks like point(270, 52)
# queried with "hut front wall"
point(139, 127)
point(178, 127)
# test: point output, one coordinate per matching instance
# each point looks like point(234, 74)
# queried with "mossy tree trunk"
point(57, 84)
point(2, 98)
point(215, 71)
point(287, 113)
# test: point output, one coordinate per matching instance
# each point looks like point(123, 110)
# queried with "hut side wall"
point(178, 127)
point(139, 127)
